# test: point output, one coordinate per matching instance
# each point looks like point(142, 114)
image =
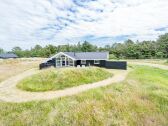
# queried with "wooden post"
point(73, 63)
point(65, 62)
point(55, 62)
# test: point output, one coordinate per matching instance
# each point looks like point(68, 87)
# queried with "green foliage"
point(112, 56)
point(138, 101)
point(18, 51)
point(128, 50)
point(159, 54)
point(1, 51)
point(87, 47)
point(55, 79)
point(163, 44)
point(15, 49)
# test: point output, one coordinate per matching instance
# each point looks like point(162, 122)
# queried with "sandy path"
point(9, 92)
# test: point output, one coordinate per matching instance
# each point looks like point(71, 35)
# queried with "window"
point(83, 61)
point(70, 62)
point(63, 61)
point(96, 61)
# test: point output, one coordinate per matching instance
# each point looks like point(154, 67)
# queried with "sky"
point(26, 23)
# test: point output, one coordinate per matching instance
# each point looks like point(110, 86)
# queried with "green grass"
point(141, 100)
point(55, 79)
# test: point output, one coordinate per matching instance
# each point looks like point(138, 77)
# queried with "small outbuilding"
point(8, 56)
point(82, 59)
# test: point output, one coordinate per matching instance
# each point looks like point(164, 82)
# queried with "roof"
point(83, 55)
point(8, 55)
point(88, 55)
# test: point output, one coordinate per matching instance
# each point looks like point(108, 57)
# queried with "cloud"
point(26, 23)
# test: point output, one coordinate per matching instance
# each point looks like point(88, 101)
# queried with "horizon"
point(81, 42)
point(100, 22)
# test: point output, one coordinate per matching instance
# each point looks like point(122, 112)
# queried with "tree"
point(87, 47)
point(163, 44)
point(118, 50)
point(36, 51)
point(129, 42)
point(128, 49)
point(159, 54)
point(17, 48)
point(18, 51)
point(79, 46)
point(49, 50)
point(1, 51)
point(37, 47)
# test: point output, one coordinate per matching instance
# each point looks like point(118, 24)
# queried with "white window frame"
point(60, 58)
point(83, 61)
point(95, 62)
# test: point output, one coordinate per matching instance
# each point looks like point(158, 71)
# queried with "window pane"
point(83, 61)
point(96, 61)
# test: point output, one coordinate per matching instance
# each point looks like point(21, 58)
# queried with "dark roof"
point(8, 55)
point(84, 55)
point(88, 55)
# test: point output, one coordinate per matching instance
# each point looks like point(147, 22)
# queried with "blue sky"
point(26, 23)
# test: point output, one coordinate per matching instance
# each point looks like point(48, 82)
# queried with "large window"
point(71, 63)
point(58, 62)
point(63, 61)
point(96, 61)
point(83, 61)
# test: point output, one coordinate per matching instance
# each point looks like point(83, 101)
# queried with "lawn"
point(55, 79)
point(11, 67)
point(142, 99)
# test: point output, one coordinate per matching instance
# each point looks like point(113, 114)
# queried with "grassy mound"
point(55, 79)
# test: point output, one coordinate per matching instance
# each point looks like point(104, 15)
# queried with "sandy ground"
point(12, 67)
point(9, 92)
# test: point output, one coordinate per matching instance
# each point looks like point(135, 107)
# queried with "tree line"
point(126, 50)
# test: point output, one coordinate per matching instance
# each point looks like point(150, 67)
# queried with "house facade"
point(81, 59)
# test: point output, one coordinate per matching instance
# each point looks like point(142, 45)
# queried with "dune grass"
point(153, 61)
point(141, 100)
point(55, 79)
point(11, 67)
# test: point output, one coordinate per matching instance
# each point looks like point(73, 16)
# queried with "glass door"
point(58, 62)
point(63, 61)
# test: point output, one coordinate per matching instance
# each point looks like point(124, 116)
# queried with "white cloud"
point(26, 23)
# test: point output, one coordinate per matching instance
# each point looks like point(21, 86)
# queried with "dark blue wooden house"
point(80, 59)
